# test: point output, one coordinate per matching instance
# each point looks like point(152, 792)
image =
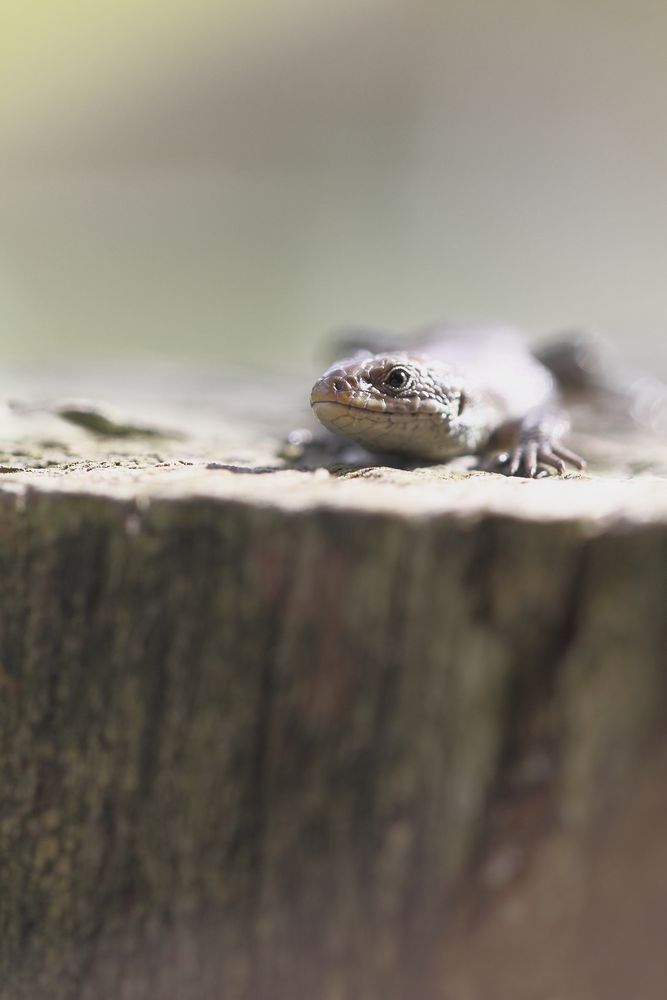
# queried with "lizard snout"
point(331, 386)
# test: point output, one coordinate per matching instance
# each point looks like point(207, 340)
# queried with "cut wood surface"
point(342, 731)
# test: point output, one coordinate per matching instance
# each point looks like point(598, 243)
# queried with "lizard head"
point(399, 402)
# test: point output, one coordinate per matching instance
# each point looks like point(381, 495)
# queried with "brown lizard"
point(455, 390)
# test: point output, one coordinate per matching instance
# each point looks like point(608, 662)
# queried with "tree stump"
point(344, 733)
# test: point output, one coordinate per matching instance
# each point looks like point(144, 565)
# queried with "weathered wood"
point(353, 733)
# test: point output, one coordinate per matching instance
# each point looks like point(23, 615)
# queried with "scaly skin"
point(461, 392)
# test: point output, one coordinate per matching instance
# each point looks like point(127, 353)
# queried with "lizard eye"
point(398, 378)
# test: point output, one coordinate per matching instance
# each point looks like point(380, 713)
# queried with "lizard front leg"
point(536, 443)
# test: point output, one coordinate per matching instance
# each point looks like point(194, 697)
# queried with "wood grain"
point(345, 732)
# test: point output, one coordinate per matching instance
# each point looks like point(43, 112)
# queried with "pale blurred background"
point(227, 180)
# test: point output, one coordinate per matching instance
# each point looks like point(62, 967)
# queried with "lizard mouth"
point(322, 404)
point(331, 411)
point(324, 395)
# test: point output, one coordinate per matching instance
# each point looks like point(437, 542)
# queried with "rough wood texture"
point(346, 734)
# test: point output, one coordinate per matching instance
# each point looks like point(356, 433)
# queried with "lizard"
point(452, 390)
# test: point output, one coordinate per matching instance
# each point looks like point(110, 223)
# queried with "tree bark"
point(331, 734)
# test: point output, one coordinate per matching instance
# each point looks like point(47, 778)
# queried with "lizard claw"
point(532, 458)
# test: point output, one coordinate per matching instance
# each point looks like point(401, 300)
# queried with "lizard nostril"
point(339, 384)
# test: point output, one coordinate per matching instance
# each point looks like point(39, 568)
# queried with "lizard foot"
point(533, 458)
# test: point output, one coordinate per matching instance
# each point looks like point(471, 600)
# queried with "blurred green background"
point(230, 180)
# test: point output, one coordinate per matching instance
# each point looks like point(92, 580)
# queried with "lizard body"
point(449, 391)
